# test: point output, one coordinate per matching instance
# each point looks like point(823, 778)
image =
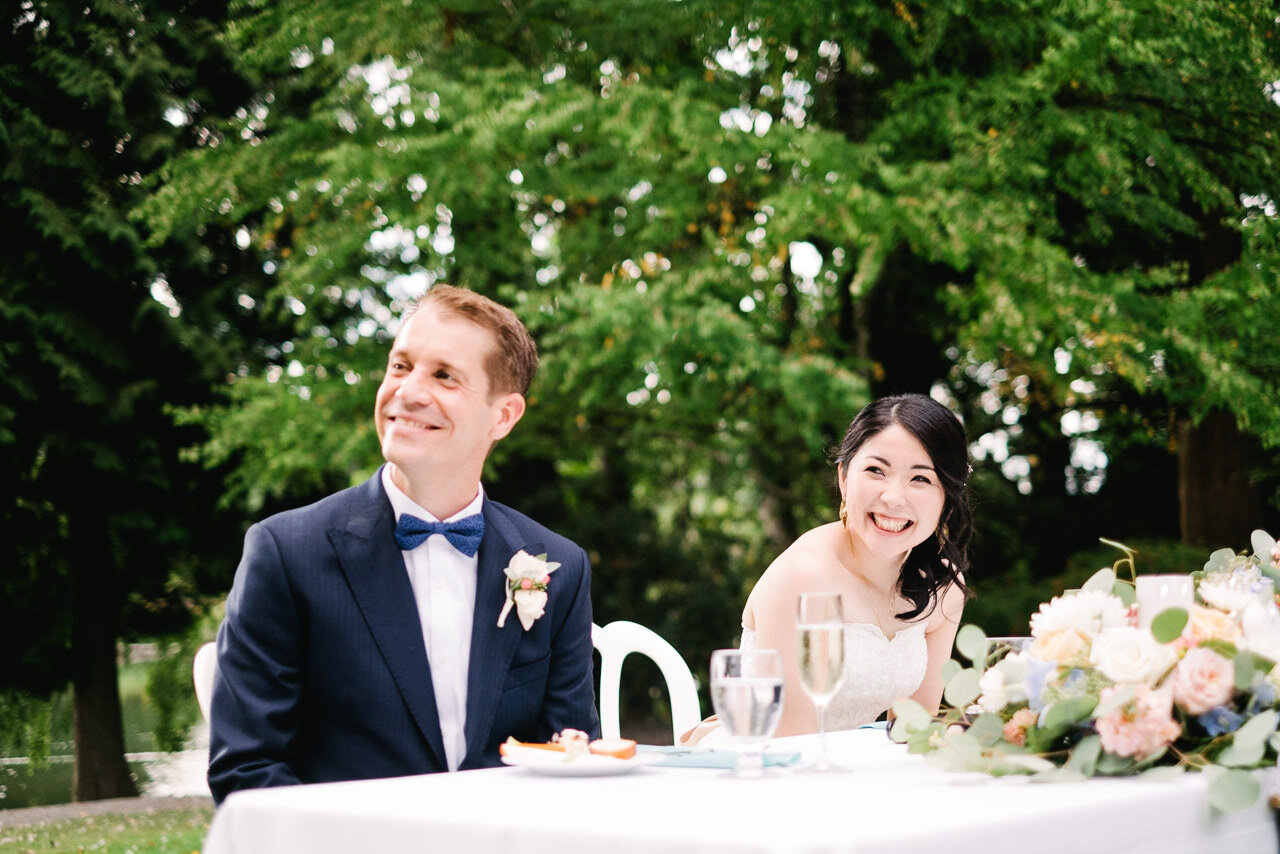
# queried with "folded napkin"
point(705, 757)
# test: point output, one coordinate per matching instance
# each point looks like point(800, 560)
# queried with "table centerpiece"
point(1099, 692)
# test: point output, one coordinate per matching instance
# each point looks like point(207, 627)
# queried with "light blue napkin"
point(703, 757)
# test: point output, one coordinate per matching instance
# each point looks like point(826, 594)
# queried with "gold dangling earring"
point(943, 535)
point(844, 512)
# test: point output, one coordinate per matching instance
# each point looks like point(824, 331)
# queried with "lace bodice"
point(877, 671)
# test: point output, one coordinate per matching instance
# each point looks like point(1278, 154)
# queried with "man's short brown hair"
point(514, 362)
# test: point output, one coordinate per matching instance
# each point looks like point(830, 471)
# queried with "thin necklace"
point(870, 588)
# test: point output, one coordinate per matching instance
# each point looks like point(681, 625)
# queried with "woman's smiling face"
point(892, 493)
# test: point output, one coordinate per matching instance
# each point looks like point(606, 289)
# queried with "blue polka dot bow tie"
point(463, 534)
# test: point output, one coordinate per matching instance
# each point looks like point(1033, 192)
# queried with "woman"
point(897, 557)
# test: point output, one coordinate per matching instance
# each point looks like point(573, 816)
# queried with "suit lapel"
point(492, 648)
point(375, 571)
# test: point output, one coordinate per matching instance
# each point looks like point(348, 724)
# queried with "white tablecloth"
point(889, 802)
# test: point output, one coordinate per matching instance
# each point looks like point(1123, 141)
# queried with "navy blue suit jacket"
point(322, 671)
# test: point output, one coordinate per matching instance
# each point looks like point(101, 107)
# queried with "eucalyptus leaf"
point(1102, 580)
point(1242, 755)
point(921, 741)
point(965, 746)
point(1028, 762)
point(1169, 623)
point(963, 688)
point(1124, 591)
point(1262, 543)
point(1244, 670)
point(911, 714)
point(950, 668)
point(971, 642)
point(1067, 712)
point(1162, 774)
point(1122, 695)
point(987, 728)
point(1113, 766)
point(1233, 790)
point(1084, 756)
point(1249, 743)
point(1219, 560)
point(1059, 775)
point(1224, 648)
point(1258, 728)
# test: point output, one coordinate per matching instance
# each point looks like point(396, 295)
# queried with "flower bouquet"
point(1094, 694)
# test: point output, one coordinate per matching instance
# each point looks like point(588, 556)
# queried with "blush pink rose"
point(1015, 729)
point(1141, 727)
point(1203, 680)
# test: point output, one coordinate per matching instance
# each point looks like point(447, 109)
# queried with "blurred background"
point(728, 224)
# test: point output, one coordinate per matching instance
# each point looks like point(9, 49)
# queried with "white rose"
point(1224, 596)
point(1132, 655)
point(1089, 612)
point(522, 564)
point(993, 697)
point(530, 605)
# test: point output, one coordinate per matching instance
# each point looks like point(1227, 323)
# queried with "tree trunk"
point(100, 767)
point(1218, 506)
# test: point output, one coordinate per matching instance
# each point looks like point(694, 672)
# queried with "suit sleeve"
point(254, 712)
point(571, 698)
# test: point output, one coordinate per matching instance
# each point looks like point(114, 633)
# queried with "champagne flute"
point(820, 635)
point(746, 691)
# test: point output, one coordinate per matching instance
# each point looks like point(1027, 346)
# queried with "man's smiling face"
point(434, 412)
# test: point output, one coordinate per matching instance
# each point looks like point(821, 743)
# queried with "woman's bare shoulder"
point(950, 607)
point(801, 566)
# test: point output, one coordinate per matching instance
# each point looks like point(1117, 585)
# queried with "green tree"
point(728, 223)
point(105, 527)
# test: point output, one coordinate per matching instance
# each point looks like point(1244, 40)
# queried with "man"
point(362, 640)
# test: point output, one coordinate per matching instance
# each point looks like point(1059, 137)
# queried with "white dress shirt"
point(444, 586)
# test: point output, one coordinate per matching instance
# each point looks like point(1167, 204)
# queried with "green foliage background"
point(1037, 211)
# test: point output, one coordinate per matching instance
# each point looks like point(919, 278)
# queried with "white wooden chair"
point(202, 668)
point(619, 639)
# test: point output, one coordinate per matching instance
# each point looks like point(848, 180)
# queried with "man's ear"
point(509, 409)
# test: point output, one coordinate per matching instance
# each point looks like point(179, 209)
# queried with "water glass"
point(999, 647)
point(746, 691)
point(820, 638)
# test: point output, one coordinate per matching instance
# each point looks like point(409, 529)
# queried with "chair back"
point(619, 639)
point(202, 669)
point(614, 642)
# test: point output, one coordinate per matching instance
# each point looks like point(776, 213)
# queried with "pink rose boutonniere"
point(527, 579)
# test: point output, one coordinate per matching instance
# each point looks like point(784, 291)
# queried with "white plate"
point(555, 765)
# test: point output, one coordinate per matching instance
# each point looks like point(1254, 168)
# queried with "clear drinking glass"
point(820, 638)
point(999, 647)
point(746, 691)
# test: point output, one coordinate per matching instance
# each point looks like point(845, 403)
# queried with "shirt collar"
point(401, 503)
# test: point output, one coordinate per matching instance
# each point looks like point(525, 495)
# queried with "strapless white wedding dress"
point(877, 671)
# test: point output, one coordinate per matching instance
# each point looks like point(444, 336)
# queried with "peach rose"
point(1203, 680)
point(1209, 623)
point(1065, 646)
point(1015, 729)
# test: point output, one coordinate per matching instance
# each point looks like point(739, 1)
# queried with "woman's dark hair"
point(937, 562)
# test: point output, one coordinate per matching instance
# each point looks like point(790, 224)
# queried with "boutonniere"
point(527, 578)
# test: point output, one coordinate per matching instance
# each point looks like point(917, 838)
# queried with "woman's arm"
point(939, 636)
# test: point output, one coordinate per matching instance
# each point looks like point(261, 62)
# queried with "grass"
point(176, 831)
